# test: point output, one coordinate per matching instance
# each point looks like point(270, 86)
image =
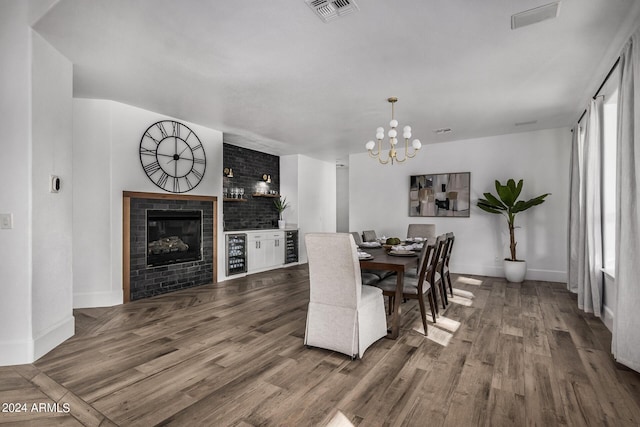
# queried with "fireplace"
point(173, 236)
point(168, 243)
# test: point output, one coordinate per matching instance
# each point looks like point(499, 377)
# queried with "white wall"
point(342, 200)
point(379, 199)
point(289, 189)
point(106, 162)
point(310, 184)
point(35, 255)
point(15, 173)
point(52, 279)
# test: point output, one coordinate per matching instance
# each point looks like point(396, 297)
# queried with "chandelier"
point(393, 141)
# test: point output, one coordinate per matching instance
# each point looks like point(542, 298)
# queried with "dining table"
point(382, 260)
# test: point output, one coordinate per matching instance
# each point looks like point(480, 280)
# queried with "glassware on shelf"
point(242, 193)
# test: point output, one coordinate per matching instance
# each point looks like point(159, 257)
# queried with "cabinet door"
point(257, 251)
point(277, 246)
point(278, 251)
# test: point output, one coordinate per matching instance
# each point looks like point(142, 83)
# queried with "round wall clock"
point(172, 156)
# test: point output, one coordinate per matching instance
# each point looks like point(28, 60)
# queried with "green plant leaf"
point(505, 193)
point(493, 200)
point(518, 189)
point(281, 204)
point(524, 205)
point(488, 208)
point(508, 204)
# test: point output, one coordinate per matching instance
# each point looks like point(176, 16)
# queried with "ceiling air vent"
point(328, 10)
point(533, 16)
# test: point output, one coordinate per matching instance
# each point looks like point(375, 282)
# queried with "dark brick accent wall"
point(248, 167)
point(146, 282)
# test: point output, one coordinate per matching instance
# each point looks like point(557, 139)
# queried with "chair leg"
point(391, 300)
point(423, 313)
point(433, 305)
point(434, 295)
point(443, 287)
point(443, 294)
point(450, 285)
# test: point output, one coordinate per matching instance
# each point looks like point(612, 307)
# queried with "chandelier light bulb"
point(416, 144)
point(407, 129)
point(369, 146)
point(380, 135)
point(380, 130)
point(406, 135)
point(392, 133)
point(393, 123)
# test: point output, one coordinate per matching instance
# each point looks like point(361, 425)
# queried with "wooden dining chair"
point(436, 278)
point(415, 287)
point(444, 272)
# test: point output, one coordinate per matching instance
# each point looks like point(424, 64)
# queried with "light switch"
point(6, 221)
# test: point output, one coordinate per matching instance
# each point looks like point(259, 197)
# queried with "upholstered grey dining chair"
point(357, 237)
point(369, 235)
point(343, 315)
point(421, 230)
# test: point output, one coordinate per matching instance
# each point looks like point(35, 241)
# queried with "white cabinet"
point(265, 249)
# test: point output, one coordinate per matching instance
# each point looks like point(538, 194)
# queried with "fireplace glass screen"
point(173, 236)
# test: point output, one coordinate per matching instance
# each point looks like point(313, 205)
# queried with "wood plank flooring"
point(232, 354)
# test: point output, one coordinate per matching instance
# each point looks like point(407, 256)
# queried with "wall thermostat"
point(55, 184)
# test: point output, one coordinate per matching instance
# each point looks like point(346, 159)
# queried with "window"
point(608, 175)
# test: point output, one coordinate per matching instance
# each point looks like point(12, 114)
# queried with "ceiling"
point(273, 77)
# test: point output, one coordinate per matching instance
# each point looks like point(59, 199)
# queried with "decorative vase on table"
point(281, 224)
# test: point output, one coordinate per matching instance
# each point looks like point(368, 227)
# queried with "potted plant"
point(280, 204)
point(507, 204)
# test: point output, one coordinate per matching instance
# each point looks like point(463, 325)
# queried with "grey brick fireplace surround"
point(149, 281)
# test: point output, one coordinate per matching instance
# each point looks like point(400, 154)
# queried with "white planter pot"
point(281, 224)
point(514, 271)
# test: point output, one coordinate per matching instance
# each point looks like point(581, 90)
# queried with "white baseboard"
point(16, 352)
point(28, 351)
point(607, 318)
point(53, 336)
point(498, 271)
point(97, 299)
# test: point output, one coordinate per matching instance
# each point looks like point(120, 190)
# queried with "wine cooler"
point(291, 247)
point(236, 253)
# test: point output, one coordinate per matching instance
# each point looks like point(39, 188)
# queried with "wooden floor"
point(233, 354)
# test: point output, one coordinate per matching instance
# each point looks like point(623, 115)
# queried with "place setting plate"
point(402, 253)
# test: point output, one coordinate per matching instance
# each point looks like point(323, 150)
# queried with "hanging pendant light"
point(393, 141)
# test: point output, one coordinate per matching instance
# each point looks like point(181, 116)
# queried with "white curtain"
point(585, 227)
point(574, 207)
point(626, 325)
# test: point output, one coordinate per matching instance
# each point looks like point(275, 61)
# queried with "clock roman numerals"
point(152, 168)
point(148, 135)
point(147, 152)
point(163, 179)
point(197, 174)
point(163, 132)
point(172, 162)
